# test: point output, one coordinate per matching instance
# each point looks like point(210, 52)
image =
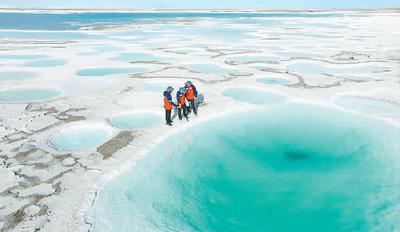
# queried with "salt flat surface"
point(332, 59)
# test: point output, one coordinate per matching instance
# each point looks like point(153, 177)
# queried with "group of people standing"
point(188, 93)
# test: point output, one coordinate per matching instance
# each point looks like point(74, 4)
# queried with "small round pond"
point(28, 94)
point(135, 120)
point(254, 96)
point(16, 75)
point(80, 137)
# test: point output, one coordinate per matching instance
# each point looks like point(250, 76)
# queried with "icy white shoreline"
point(53, 190)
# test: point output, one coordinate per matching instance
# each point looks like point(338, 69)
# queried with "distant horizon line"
point(201, 9)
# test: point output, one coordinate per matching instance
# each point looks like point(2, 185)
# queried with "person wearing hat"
point(191, 94)
point(181, 103)
point(168, 105)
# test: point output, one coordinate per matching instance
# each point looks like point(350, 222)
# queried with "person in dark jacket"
point(181, 103)
point(191, 94)
point(168, 105)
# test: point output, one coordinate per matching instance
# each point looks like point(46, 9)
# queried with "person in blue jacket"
point(168, 105)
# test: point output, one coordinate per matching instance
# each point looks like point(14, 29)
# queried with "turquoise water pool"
point(254, 96)
point(28, 94)
point(156, 87)
point(273, 80)
point(79, 138)
point(46, 63)
point(135, 120)
point(97, 72)
point(290, 167)
point(16, 75)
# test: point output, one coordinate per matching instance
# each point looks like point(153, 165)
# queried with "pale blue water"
point(79, 138)
point(209, 68)
point(46, 63)
point(254, 96)
point(98, 72)
point(22, 56)
point(74, 21)
point(16, 75)
point(289, 167)
point(27, 94)
point(369, 106)
point(273, 80)
point(135, 120)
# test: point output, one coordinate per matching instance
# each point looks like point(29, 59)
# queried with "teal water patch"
point(22, 56)
point(254, 96)
point(369, 105)
point(135, 120)
point(79, 138)
point(46, 63)
point(209, 68)
point(16, 75)
point(97, 72)
point(27, 94)
point(273, 81)
point(273, 169)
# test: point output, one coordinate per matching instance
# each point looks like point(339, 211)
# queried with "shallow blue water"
point(46, 63)
point(79, 138)
point(254, 96)
point(97, 72)
point(22, 56)
point(135, 120)
point(28, 94)
point(73, 21)
point(16, 75)
point(290, 167)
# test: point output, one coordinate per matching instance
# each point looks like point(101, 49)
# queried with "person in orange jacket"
point(181, 103)
point(191, 94)
point(168, 105)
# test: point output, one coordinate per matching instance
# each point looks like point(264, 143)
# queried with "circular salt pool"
point(273, 169)
point(16, 75)
point(97, 72)
point(254, 96)
point(80, 137)
point(368, 105)
point(273, 81)
point(28, 94)
point(135, 120)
